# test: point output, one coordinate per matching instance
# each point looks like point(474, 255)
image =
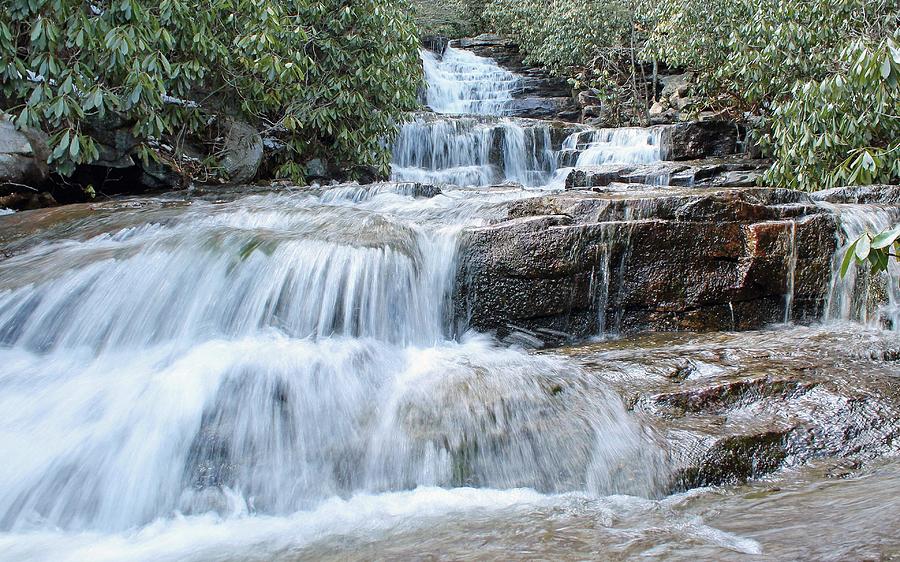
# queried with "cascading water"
point(258, 357)
point(473, 152)
point(464, 150)
point(460, 83)
point(631, 145)
point(861, 296)
point(256, 378)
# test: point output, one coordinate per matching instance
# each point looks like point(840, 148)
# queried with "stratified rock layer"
point(629, 258)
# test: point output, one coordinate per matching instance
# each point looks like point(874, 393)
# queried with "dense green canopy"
point(329, 77)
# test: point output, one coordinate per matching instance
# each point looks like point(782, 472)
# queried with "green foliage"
point(844, 129)
point(877, 250)
point(568, 35)
point(331, 77)
point(823, 75)
point(592, 42)
point(820, 77)
point(449, 18)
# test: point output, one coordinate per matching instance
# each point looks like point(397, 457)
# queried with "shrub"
point(333, 77)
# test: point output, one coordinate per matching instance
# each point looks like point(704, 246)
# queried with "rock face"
point(867, 194)
point(243, 151)
point(737, 406)
point(637, 258)
point(711, 172)
point(699, 139)
point(23, 156)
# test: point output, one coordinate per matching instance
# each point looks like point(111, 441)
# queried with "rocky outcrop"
point(737, 406)
point(242, 150)
point(711, 172)
point(633, 259)
point(865, 194)
point(23, 156)
point(701, 139)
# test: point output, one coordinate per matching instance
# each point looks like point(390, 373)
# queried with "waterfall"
point(627, 145)
point(460, 82)
point(467, 151)
point(861, 296)
point(473, 152)
point(260, 356)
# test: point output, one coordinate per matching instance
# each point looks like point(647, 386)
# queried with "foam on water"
point(257, 358)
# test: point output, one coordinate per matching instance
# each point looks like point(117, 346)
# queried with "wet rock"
point(538, 108)
point(639, 258)
point(733, 407)
point(736, 172)
point(24, 200)
point(435, 43)
point(867, 194)
point(700, 139)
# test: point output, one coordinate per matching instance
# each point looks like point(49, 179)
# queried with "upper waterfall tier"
point(480, 151)
point(462, 83)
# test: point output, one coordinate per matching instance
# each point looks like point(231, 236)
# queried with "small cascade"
point(861, 296)
point(262, 356)
point(629, 145)
point(468, 151)
point(608, 278)
point(473, 152)
point(461, 83)
point(791, 274)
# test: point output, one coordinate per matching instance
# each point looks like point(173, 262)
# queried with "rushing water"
point(461, 83)
point(861, 296)
point(275, 377)
point(262, 356)
point(458, 147)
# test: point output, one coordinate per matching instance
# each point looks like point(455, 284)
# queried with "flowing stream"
point(275, 376)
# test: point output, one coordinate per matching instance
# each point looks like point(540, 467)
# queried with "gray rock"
point(23, 156)
point(316, 169)
point(867, 194)
point(676, 84)
point(242, 151)
point(701, 139)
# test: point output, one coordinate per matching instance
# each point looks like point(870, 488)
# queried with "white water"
point(860, 296)
point(240, 380)
point(472, 151)
point(628, 145)
point(226, 362)
point(460, 82)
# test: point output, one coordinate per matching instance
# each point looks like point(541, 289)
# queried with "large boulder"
point(23, 156)
point(242, 150)
point(581, 263)
point(701, 139)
